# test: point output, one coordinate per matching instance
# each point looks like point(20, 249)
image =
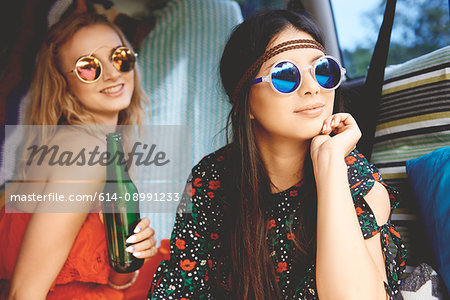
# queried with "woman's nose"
point(309, 84)
point(109, 71)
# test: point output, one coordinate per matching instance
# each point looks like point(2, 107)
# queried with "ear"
point(252, 117)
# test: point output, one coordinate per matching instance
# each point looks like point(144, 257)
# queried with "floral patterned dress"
point(198, 267)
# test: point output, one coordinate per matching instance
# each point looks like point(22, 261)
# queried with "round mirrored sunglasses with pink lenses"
point(89, 68)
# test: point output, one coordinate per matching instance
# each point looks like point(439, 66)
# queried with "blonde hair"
point(52, 103)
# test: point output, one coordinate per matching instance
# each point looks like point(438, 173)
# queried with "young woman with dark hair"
point(288, 209)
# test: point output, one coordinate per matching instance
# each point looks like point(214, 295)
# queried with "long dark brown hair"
point(253, 273)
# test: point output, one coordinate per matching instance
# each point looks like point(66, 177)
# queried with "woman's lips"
point(113, 91)
point(311, 111)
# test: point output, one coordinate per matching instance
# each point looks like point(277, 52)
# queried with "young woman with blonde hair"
point(85, 76)
point(53, 102)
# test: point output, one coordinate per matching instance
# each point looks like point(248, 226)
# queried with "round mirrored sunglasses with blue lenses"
point(286, 78)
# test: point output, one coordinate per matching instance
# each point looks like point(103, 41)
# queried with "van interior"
point(397, 86)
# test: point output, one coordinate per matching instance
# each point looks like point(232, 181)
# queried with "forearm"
point(31, 293)
point(44, 250)
point(345, 269)
point(34, 275)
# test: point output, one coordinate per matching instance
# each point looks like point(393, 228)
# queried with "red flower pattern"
point(189, 190)
point(356, 184)
point(197, 182)
point(187, 265)
point(376, 176)
point(282, 266)
point(359, 210)
point(349, 160)
point(271, 224)
point(394, 232)
point(214, 184)
point(180, 244)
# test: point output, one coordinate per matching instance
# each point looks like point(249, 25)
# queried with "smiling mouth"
point(112, 90)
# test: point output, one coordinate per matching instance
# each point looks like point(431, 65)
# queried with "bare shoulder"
point(71, 154)
point(68, 165)
point(378, 200)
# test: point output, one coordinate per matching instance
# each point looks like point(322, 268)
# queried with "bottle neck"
point(116, 168)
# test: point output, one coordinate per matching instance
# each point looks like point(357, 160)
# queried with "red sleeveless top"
point(86, 270)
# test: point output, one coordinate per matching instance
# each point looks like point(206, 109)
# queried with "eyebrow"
point(93, 51)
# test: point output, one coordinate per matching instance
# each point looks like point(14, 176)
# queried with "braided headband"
point(285, 46)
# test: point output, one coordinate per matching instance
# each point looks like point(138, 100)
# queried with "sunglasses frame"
point(100, 63)
point(312, 68)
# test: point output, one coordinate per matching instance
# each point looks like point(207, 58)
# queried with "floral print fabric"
point(198, 267)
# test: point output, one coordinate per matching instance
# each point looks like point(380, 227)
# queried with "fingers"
point(144, 249)
point(141, 235)
point(347, 134)
point(145, 222)
point(145, 254)
point(327, 127)
point(337, 123)
point(144, 243)
point(142, 231)
point(330, 124)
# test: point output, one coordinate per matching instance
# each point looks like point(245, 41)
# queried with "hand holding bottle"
point(143, 243)
point(123, 224)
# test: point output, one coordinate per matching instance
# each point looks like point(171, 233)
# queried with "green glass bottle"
point(120, 208)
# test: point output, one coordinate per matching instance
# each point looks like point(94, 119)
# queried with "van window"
point(420, 26)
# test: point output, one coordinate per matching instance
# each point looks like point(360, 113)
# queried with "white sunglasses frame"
point(268, 78)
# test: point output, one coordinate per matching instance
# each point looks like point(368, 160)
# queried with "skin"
point(49, 236)
point(284, 131)
point(98, 40)
point(275, 115)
